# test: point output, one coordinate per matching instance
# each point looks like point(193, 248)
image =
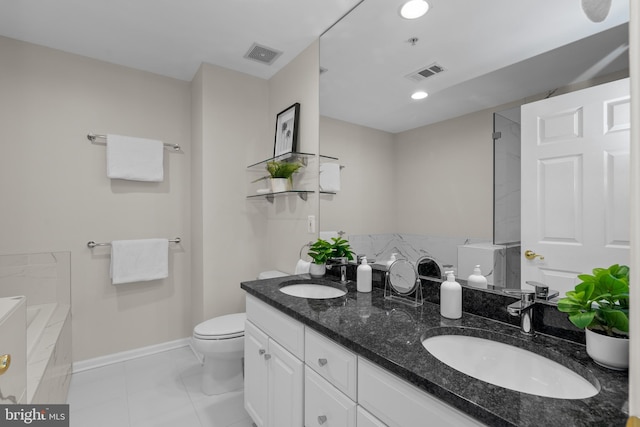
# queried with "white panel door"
point(256, 365)
point(286, 388)
point(575, 184)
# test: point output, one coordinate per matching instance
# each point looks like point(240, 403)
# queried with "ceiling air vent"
point(425, 72)
point(263, 54)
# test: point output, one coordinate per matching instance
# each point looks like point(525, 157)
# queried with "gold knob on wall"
point(5, 362)
point(529, 254)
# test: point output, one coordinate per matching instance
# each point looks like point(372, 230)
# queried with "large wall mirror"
point(418, 175)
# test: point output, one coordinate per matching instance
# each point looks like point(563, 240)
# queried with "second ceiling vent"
point(425, 72)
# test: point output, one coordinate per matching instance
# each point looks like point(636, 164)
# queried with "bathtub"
point(37, 320)
point(48, 353)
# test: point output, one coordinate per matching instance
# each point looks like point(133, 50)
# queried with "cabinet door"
point(366, 419)
point(286, 387)
point(256, 344)
point(325, 405)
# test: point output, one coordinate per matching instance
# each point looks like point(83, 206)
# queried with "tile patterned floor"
point(153, 391)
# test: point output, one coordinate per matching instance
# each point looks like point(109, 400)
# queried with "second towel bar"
point(93, 244)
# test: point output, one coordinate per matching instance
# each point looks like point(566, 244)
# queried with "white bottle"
point(363, 274)
point(477, 279)
point(451, 298)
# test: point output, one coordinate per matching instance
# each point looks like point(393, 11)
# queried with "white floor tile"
point(152, 391)
point(222, 410)
point(95, 386)
point(108, 413)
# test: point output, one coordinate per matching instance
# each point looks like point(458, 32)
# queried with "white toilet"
point(221, 341)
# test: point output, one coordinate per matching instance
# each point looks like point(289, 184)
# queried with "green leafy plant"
point(341, 248)
point(320, 251)
point(601, 301)
point(280, 169)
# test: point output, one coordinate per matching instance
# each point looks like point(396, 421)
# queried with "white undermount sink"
point(509, 367)
point(312, 291)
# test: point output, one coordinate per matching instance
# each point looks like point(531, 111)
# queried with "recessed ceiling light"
point(419, 95)
point(414, 9)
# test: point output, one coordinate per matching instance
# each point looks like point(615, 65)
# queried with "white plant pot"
point(610, 352)
point(279, 185)
point(317, 270)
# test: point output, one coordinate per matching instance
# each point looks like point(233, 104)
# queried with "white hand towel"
point(135, 159)
point(330, 177)
point(139, 260)
point(302, 267)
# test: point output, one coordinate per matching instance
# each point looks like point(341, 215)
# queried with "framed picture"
point(287, 131)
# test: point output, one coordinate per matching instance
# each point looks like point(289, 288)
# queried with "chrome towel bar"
point(93, 138)
point(92, 244)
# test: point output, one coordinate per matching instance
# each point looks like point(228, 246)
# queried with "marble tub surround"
point(390, 334)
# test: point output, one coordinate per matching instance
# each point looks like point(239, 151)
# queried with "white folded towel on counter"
point(135, 159)
point(330, 177)
point(139, 260)
point(302, 267)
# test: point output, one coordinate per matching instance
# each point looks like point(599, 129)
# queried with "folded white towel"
point(302, 267)
point(330, 177)
point(139, 260)
point(135, 159)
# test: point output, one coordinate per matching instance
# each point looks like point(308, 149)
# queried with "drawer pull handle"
point(5, 362)
point(267, 356)
point(262, 351)
point(322, 362)
point(322, 419)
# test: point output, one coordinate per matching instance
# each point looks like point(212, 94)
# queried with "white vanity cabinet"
point(274, 374)
point(399, 404)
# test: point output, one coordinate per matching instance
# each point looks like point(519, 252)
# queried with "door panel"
point(575, 184)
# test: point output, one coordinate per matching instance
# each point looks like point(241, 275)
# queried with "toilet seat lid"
point(228, 326)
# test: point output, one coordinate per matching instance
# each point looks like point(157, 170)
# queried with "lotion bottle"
point(363, 274)
point(451, 298)
point(392, 259)
point(477, 279)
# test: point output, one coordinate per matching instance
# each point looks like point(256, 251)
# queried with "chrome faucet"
point(524, 309)
point(542, 290)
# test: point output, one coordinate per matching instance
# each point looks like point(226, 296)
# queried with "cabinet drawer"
point(332, 361)
point(288, 332)
point(365, 419)
point(399, 404)
point(325, 405)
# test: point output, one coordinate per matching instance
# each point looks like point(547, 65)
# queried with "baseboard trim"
point(97, 362)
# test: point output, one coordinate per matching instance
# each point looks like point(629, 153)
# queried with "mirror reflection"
point(418, 175)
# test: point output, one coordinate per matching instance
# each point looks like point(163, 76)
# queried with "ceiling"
point(484, 46)
point(173, 37)
point(493, 52)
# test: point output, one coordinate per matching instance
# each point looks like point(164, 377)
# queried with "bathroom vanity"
point(358, 360)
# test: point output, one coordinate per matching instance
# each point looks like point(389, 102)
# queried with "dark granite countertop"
point(390, 334)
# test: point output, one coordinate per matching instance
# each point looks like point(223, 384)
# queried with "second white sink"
point(509, 367)
point(312, 291)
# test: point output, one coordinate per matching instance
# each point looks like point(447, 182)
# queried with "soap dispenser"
point(477, 279)
point(363, 279)
point(451, 298)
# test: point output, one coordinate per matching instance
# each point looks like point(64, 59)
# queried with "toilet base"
point(222, 375)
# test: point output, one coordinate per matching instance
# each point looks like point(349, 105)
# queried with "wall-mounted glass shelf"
point(303, 194)
point(290, 157)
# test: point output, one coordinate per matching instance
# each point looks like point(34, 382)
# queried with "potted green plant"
point(320, 251)
point(280, 174)
point(600, 305)
point(341, 250)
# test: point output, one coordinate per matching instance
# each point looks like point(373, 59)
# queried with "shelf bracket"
point(269, 198)
point(303, 196)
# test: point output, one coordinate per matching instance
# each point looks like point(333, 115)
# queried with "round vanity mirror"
point(429, 268)
point(402, 277)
